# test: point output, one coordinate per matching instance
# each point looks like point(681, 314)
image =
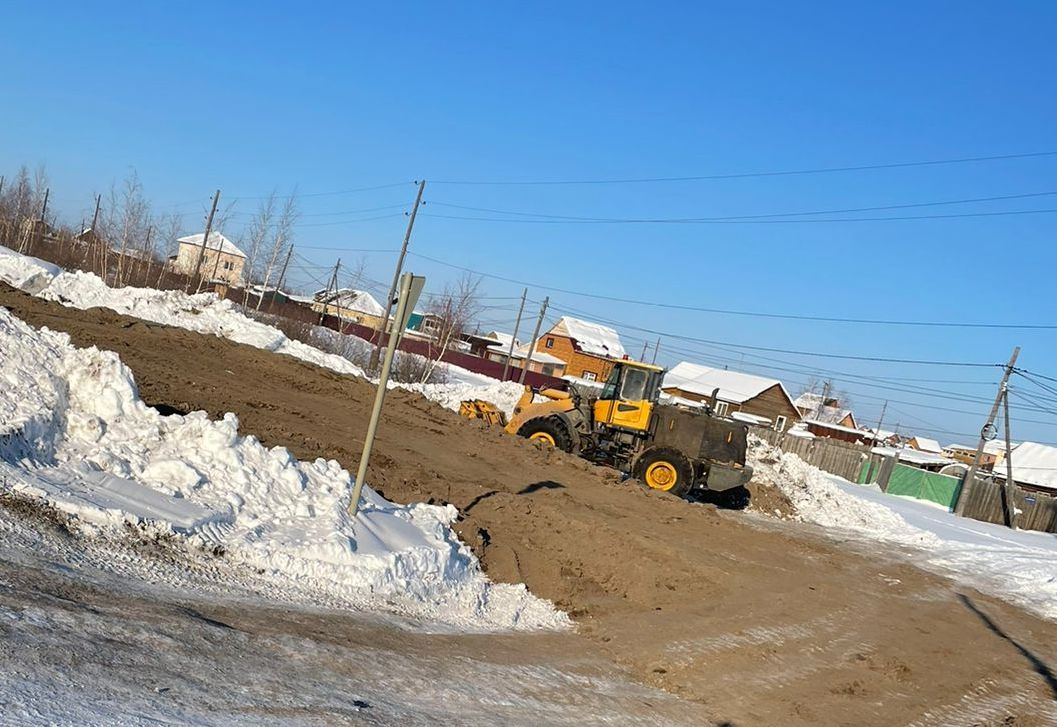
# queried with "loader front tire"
point(548, 430)
point(665, 469)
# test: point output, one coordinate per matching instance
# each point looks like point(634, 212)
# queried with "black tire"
point(551, 427)
point(676, 463)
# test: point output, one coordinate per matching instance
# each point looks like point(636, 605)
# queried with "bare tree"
point(259, 228)
point(282, 239)
point(129, 218)
point(169, 228)
point(453, 312)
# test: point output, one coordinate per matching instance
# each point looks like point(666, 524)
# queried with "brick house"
point(738, 392)
point(588, 349)
point(825, 411)
point(228, 268)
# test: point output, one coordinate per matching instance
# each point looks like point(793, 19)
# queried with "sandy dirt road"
point(758, 622)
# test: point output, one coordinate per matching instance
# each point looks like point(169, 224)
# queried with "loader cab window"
point(634, 388)
point(609, 391)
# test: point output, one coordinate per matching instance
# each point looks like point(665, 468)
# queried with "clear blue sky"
point(252, 96)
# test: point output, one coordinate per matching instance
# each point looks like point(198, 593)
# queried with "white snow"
point(733, 386)
point(25, 273)
point(1033, 464)
point(1020, 566)
point(73, 431)
point(924, 444)
point(359, 301)
point(592, 338)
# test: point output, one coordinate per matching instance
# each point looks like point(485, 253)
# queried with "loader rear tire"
point(665, 469)
point(549, 430)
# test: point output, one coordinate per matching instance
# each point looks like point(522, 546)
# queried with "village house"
point(588, 349)
point(349, 304)
point(228, 268)
point(924, 444)
point(825, 410)
point(756, 399)
point(994, 453)
point(499, 346)
point(1034, 467)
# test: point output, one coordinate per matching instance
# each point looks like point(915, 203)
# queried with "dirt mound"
point(762, 621)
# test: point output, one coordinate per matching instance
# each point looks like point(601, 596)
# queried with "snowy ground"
point(1019, 566)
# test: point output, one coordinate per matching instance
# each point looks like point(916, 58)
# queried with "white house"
point(221, 259)
point(764, 398)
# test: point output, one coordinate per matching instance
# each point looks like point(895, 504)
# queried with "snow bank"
point(74, 431)
point(206, 313)
point(1020, 566)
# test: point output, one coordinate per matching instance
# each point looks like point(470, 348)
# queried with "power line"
point(747, 175)
point(753, 314)
point(300, 195)
point(678, 221)
point(754, 216)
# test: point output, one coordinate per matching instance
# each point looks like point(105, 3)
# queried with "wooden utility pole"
point(205, 239)
point(282, 276)
point(656, 349)
point(44, 207)
point(986, 434)
point(332, 283)
point(513, 339)
point(396, 278)
point(95, 215)
point(2, 183)
point(880, 421)
point(1010, 491)
point(645, 347)
point(532, 343)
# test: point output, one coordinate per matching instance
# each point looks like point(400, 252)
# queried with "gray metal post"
point(379, 398)
point(396, 275)
point(532, 343)
point(517, 327)
point(970, 476)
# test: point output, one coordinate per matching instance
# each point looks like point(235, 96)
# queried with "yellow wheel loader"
point(625, 426)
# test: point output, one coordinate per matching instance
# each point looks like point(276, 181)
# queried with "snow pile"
point(818, 500)
point(75, 432)
point(25, 273)
point(1020, 566)
point(592, 338)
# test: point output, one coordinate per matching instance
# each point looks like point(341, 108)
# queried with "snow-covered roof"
point(350, 299)
point(811, 405)
point(838, 427)
point(1033, 464)
point(925, 444)
point(742, 416)
point(734, 386)
point(592, 338)
point(913, 456)
point(502, 340)
point(216, 241)
point(996, 446)
point(537, 356)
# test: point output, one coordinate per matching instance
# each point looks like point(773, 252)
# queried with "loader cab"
point(629, 395)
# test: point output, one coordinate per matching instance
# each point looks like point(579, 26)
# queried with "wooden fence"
point(830, 455)
point(1038, 511)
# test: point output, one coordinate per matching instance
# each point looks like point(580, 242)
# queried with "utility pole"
point(205, 239)
point(44, 207)
point(282, 276)
point(513, 339)
point(396, 277)
point(532, 343)
point(986, 434)
point(332, 283)
point(1010, 491)
point(95, 215)
point(656, 349)
point(410, 288)
point(880, 421)
point(645, 345)
point(2, 183)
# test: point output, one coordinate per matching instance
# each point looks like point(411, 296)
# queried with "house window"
point(550, 343)
point(779, 424)
point(589, 376)
point(721, 408)
point(228, 265)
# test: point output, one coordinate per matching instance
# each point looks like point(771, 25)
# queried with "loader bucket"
point(478, 409)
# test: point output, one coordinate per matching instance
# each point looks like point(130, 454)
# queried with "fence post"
point(888, 465)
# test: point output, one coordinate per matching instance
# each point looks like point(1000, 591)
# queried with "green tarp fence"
point(917, 483)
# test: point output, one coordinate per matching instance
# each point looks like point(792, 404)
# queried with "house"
point(837, 431)
point(824, 409)
point(1034, 467)
point(747, 394)
point(929, 461)
point(588, 349)
point(350, 304)
point(966, 454)
point(221, 259)
point(924, 444)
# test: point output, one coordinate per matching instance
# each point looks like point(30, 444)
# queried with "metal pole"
point(656, 348)
point(396, 276)
point(379, 397)
point(205, 239)
point(880, 421)
point(1010, 489)
point(970, 476)
point(513, 339)
point(532, 343)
